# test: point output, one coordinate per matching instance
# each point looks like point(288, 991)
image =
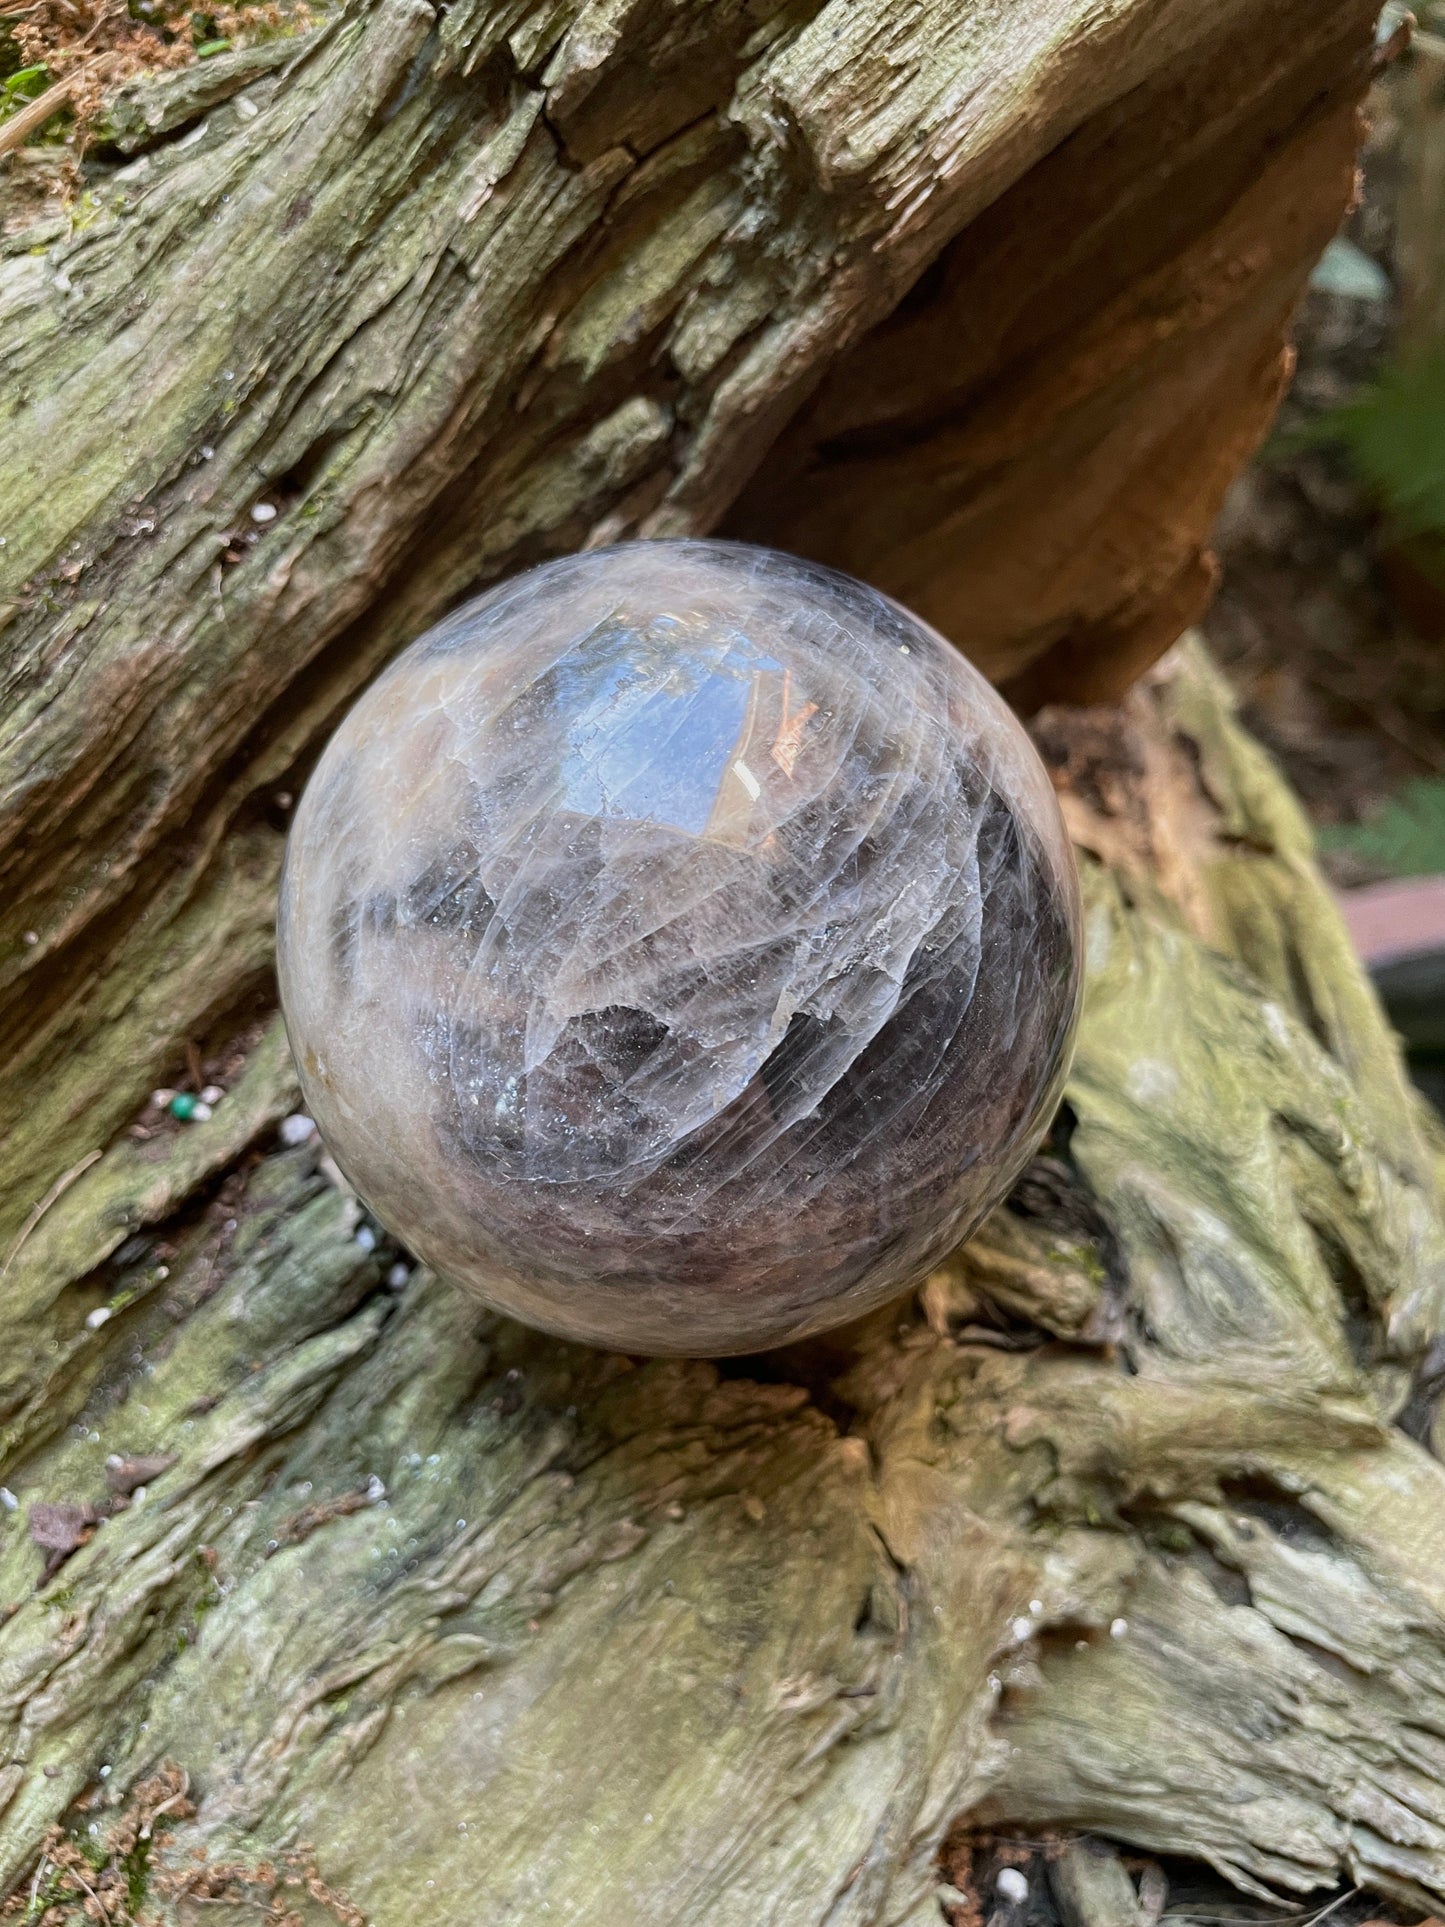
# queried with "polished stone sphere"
point(679, 947)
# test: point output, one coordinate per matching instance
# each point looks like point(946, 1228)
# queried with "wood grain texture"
point(1032, 449)
point(1116, 1528)
point(985, 303)
point(452, 294)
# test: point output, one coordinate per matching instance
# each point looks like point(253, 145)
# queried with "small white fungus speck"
point(1118, 1628)
point(212, 1094)
point(1011, 1885)
point(296, 1128)
point(366, 1238)
point(102, 1315)
point(8, 1499)
point(264, 512)
point(1022, 1628)
point(398, 1278)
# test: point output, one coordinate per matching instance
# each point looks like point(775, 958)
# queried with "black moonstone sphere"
point(679, 946)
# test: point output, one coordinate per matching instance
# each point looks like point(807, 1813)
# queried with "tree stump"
point(1130, 1521)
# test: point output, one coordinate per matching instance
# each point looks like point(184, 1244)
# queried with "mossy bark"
point(1117, 1527)
point(1131, 1520)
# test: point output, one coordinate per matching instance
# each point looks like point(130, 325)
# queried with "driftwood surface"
point(1117, 1527)
point(1131, 1521)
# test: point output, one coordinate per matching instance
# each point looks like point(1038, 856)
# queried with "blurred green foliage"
point(1395, 435)
point(1405, 839)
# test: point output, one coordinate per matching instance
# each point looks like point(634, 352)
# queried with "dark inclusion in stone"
point(680, 947)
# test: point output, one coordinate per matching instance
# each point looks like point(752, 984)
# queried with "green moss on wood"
point(417, 1574)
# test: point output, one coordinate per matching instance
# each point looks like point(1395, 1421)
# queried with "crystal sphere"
point(679, 947)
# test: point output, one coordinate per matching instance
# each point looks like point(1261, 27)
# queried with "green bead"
point(182, 1105)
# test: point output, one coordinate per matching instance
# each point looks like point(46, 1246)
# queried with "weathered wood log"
point(1131, 1522)
point(451, 294)
point(1115, 1530)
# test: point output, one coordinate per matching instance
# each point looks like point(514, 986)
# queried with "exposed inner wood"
point(1032, 449)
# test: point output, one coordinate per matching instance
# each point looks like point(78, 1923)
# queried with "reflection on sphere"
point(679, 946)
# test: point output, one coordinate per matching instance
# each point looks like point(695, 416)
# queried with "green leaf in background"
point(28, 84)
point(1406, 838)
point(1395, 433)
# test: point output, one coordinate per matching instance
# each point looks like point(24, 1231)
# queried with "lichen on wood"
point(448, 295)
point(458, 1604)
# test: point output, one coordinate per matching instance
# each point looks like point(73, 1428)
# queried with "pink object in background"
point(1402, 918)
